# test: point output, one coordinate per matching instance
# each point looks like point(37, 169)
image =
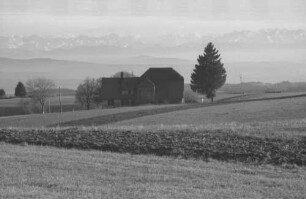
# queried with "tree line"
point(20, 91)
point(88, 93)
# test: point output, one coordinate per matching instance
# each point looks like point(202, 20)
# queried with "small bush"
point(190, 96)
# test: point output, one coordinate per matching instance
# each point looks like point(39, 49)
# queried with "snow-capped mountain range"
point(53, 43)
point(266, 55)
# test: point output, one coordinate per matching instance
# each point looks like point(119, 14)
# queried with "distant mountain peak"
point(50, 43)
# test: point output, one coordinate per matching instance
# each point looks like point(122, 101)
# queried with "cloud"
point(100, 25)
point(147, 16)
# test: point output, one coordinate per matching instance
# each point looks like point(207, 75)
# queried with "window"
point(124, 92)
point(127, 92)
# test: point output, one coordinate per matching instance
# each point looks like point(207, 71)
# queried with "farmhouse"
point(156, 86)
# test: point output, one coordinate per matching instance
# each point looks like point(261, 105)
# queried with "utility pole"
point(60, 100)
point(49, 107)
point(241, 83)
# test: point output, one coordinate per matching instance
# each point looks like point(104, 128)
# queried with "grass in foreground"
point(43, 172)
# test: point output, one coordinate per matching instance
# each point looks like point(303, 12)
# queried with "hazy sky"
point(99, 17)
point(159, 17)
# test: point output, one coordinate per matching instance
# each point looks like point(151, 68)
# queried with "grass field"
point(23, 106)
point(257, 111)
point(39, 120)
point(262, 96)
point(220, 96)
point(67, 100)
point(261, 144)
point(17, 102)
point(43, 172)
point(279, 109)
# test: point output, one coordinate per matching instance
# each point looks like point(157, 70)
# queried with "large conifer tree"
point(209, 74)
point(2, 93)
point(20, 90)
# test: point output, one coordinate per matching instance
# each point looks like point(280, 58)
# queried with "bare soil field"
point(44, 172)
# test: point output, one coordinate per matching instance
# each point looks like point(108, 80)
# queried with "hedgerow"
point(222, 145)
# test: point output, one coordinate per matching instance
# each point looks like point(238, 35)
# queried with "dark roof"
point(157, 74)
point(112, 87)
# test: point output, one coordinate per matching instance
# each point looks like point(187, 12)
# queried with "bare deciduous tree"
point(39, 89)
point(85, 93)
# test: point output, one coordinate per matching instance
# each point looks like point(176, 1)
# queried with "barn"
point(155, 86)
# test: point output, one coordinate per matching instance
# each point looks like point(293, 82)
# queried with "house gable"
point(145, 91)
point(169, 84)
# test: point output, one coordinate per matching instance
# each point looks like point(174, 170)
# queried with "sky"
point(158, 17)
point(147, 17)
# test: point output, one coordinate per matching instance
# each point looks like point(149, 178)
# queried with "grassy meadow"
point(244, 112)
point(263, 96)
point(251, 149)
point(44, 172)
point(17, 102)
point(53, 119)
point(24, 106)
point(168, 114)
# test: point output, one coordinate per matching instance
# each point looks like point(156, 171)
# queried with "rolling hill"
point(69, 74)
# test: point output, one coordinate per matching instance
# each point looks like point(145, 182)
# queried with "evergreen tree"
point(20, 90)
point(2, 93)
point(124, 74)
point(209, 74)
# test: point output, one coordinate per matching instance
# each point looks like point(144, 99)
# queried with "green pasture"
point(243, 112)
point(54, 101)
point(262, 96)
point(49, 119)
point(44, 172)
point(174, 114)
point(24, 106)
